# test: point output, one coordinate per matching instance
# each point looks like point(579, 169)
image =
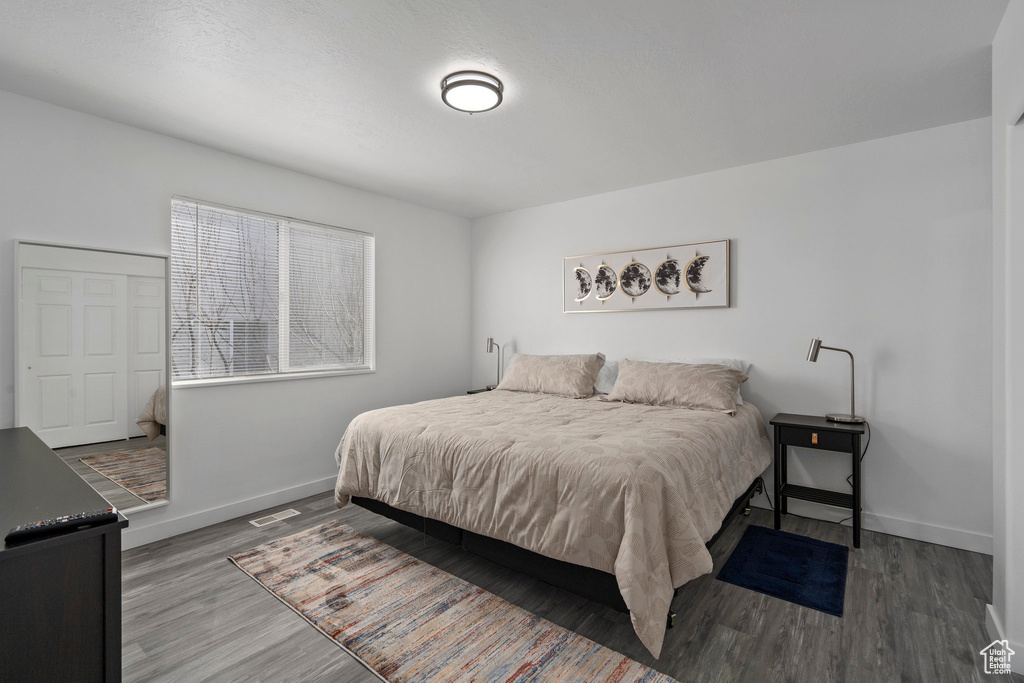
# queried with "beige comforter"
point(633, 490)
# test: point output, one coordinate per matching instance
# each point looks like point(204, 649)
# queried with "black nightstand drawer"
point(806, 437)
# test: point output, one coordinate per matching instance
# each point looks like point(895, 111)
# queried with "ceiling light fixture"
point(471, 91)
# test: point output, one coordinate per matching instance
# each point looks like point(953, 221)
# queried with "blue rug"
point(801, 570)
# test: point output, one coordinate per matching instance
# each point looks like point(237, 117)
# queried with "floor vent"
point(276, 517)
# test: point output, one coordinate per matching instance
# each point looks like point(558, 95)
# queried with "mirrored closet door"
point(91, 365)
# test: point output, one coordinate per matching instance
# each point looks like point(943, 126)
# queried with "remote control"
point(24, 532)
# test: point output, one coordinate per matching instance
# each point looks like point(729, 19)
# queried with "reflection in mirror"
point(92, 366)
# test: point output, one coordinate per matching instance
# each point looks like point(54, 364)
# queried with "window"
point(254, 295)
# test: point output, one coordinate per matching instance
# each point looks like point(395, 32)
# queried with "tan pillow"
point(700, 387)
point(571, 376)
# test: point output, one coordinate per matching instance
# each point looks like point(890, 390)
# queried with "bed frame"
point(589, 583)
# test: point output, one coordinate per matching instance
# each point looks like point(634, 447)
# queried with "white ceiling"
point(599, 94)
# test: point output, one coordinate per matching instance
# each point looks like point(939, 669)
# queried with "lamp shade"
point(812, 353)
point(471, 91)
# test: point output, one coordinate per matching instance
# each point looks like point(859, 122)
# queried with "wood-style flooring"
point(914, 611)
point(118, 496)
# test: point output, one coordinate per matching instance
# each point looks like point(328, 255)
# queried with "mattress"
point(632, 490)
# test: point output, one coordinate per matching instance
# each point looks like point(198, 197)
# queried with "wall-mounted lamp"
point(471, 91)
point(812, 355)
point(491, 345)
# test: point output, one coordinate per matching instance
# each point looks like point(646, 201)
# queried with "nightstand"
point(813, 431)
point(480, 391)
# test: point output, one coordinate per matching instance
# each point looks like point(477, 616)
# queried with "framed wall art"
point(684, 276)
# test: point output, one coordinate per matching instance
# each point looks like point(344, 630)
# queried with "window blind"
point(253, 294)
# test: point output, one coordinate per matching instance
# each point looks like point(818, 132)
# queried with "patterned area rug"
point(408, 621)
point(143, 471)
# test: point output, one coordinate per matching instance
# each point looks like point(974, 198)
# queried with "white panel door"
point(74, 380)
point(146, 340)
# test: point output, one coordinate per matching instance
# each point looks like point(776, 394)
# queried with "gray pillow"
point(571, 376)
point(699, 387)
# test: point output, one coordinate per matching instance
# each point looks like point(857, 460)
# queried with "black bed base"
point(589, 583)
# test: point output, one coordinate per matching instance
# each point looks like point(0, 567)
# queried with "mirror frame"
point(18, 265)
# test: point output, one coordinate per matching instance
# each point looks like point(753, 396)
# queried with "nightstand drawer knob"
point(814, 437)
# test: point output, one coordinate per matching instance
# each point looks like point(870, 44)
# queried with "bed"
point(153, 418)
point(628, 491)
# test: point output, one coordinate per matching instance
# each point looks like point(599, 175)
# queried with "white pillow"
point(606, 378)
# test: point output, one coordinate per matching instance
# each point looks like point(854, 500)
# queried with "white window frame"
point(369, 319)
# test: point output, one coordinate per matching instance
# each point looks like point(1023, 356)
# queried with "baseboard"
point(930, 533)
point(920, 531)
point(994, 626)
point(141, 535)
point(993, 623)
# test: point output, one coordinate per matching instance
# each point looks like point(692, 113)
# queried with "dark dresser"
point(60, 596)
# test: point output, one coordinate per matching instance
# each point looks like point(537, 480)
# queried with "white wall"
point(72, 178)
point(882, 247)
point(1006, 613)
